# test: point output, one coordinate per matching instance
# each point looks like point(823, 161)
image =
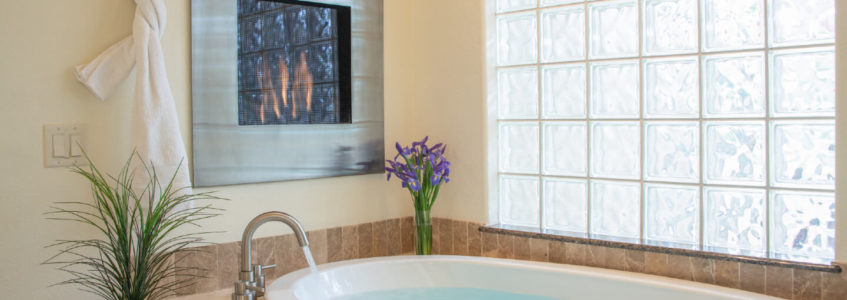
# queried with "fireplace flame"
point(301, 89)
point(283, 79)
point(304, 82)
point(262, 82)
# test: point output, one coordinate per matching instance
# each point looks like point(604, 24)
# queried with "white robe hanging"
point(155, 126)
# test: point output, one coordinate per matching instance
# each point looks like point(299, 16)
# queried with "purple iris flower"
point(419, 167)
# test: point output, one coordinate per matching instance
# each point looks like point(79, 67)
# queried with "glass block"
point(670, 26)
point(297, 22)
point(803, 82)
point(251, 32)
point(558, 2)
point(615, 150)
point(273, 30)
point(323, 23)
point(565, 204)
point(563, 34)
point(614, 29)
point(517, 93)
point(672, 151)
point(513, 5)
point(563, 91)
point(565, 151)
point(735, 153)
point(517, 39)
point(672, 213)
point(803, 224)
point(519, 147)
point(323, 61)
point(519, 201)
point(803, 154)
point(734, 219)
point(734, 86)
point(616, 208)
point(801, 22)
point(614, 90)
point(671, 88)
point(733, 24)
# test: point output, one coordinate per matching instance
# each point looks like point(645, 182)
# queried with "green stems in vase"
point(423, 233)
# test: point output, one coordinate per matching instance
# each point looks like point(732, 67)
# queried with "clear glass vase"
point(423, 233)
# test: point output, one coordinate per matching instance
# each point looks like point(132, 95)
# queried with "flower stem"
point(423, 236)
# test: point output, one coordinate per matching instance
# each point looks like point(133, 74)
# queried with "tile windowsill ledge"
point(634, 245)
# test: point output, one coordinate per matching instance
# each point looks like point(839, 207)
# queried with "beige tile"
point(505, 246)
point(394, 238)
point(380, 242)
point(807, 285)
point(834, 286)
point(656, 263)
point(445, 237)
point(727, 273)
point(437, 223)
point(679, 267)
point(318, 245)
point(753, 278)
point(407, 234)
point(334, 251)
point(557, 252)
point(595, 256)
point(197, 269)
point(702, 270)
point(228, 267)
point(460, 238)
point(779, 281)
point(539, 249)
point(169, 280)
point(474, 240)
point(489, 244)
point(615, 258)
point(262, 251)
point(521, 248)
point(350, 242)
point(635, 260)
point(575, 253)
point(288, 255)
point(366, 241)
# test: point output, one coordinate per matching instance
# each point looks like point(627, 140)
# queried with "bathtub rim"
point(283, 286)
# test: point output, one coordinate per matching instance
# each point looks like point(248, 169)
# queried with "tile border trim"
point(508, 230)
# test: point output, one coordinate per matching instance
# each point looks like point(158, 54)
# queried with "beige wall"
point(42, 40)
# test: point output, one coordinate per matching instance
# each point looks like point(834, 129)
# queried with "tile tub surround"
point(218, 264)
point(454, 237)
point(781, 279)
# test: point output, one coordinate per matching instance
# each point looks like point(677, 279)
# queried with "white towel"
point(155, 125)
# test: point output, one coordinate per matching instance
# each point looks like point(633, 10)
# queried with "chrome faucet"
point(251, 281)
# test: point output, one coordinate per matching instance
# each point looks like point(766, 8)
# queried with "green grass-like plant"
point(134, 256)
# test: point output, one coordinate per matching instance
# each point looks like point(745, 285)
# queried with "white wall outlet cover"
point(63, 145)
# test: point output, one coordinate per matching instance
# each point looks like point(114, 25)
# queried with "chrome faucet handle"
point(259, 278)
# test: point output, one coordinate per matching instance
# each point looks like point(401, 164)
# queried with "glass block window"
point(700, 124)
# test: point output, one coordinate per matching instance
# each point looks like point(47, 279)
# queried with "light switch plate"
point(62, 144)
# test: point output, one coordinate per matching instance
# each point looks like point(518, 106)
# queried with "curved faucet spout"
point(247, 237)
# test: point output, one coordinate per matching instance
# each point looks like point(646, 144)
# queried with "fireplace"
point(286, 90)
point(293, 63)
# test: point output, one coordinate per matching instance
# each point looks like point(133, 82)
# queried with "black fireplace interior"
point(293, 63)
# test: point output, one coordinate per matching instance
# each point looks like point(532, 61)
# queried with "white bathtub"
point(521, 277)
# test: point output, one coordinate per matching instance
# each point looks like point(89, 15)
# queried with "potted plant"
point(133, 258)
point(422, 170)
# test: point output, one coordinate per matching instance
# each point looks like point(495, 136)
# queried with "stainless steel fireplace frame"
point(225, 153)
